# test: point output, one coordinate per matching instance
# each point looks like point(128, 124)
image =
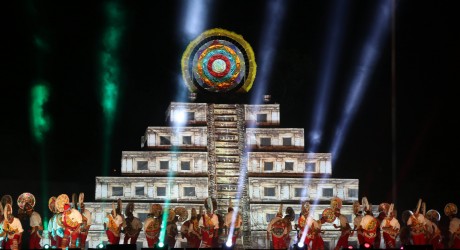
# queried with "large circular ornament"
point(329, 214)
point(26, 198)
point(52, 204)
point(219, 61)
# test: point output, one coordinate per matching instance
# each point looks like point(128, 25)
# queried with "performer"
point(390, 227)
point(289, 218)
point(171, 228)
point(86, 221)
point(434, 237)
point(133, 225)
point(417, 225)
point(304, 224)
point(209, 224)
point(113, 224)
point(278, 229)
point(51, 230)
point(228, 223)
point(2, 233)
point(317, 242)
point(71, 220)
point(152, 225)
point(344, 227)
point(35, 225)
point(357, 222)
point(369, 226)
point(12, 228)
point(450, 210)
point(190, 230)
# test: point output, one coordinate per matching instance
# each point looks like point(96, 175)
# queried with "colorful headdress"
point(423, 208)
point(336, 202)
point(329, 215)
point(384, 207)
point(61, 200)
point(81, 200)
point(182, 213)
point(26, 198)
point(210, 204)
point(305, 207)
point(156, 209)
point(129, 208)
point(450, 209)
point(171, 215)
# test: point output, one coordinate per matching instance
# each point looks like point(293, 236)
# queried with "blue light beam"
point(365, 68)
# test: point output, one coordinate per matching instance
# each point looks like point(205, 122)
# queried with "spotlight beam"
point(363, 71)
point(267, 48)
point(327, 73)
point(195, 21)
point(110, 74)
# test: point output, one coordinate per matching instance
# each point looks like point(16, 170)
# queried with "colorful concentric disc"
point(219, 61)
point(61, 200)
point(329, 214)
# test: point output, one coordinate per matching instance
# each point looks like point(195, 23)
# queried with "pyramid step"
point(226, 131)
point(228, 172)
point(226, 180)
point(225, 106)
point(227, 187)
point(219, 124)
point(227, 151)
point(225, 165)
point(226, 144)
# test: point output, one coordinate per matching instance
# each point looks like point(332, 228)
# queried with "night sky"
point(150, 48)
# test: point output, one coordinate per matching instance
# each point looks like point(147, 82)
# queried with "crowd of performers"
point(70, 223)
point(418, 227)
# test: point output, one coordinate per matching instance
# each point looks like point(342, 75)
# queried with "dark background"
point(426, 74)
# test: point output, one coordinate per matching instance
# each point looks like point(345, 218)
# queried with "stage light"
point(300, 246)
point(39, 120)
point(367, 245)
point(100, 246)
point(350, 247)
point(195, 13)
point(46, 246)
point(228, 245)
point(274, 15)
point(363, 70)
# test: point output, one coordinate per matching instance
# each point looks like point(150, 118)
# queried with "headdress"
point(336, 202)
point(26, 198)
point(182, 213)
point(119, 206)
point(280, 211)
point(329, 215)
point(171, 215)
point(305, 207)
point(61, 200)
point(365, 203)
point(423, 208)
point(419, 204)
point(81, 199)
point(7, 199)
point(290, 214)
point(356, 207)
point(406, 215)
point(156, 210)
point(433, 215)
point(384, 207)
point(52, 204)
point(450, 209)
point(210, 204)
point(391, 209)
point(129, 208)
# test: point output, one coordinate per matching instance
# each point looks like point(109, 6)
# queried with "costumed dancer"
point(209, 224)
point(383, 211)
point(12, 228)
point(181, 216)
point(450, 210)
point(71, 220)
point(133, 225)
point(51, 229)
point(357, 222)
point(317, 242)
point(86, 221)
point(433, 232)
point(344, 226)
point(228, 223)
point(2, 233)
point(404, 232)
point(390, 228)
point(417, 225)
point(190, 230)
point(304, 224)
point(278, 229)
point(113, 223)
point(58, 226)
point(26, 202)
point(171, 228)
point(369, 223)
point(289, 218)
point(152, 225)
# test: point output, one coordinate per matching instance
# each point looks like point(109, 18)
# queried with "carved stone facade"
point(226, 151)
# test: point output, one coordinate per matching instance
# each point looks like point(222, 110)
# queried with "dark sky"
point(426, 74)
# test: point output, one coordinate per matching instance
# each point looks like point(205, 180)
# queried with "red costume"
point(152, 225)
point(417, 225)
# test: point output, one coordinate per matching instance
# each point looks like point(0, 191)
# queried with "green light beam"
point(110, 75)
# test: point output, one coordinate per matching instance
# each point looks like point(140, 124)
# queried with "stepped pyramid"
point(225, 151)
